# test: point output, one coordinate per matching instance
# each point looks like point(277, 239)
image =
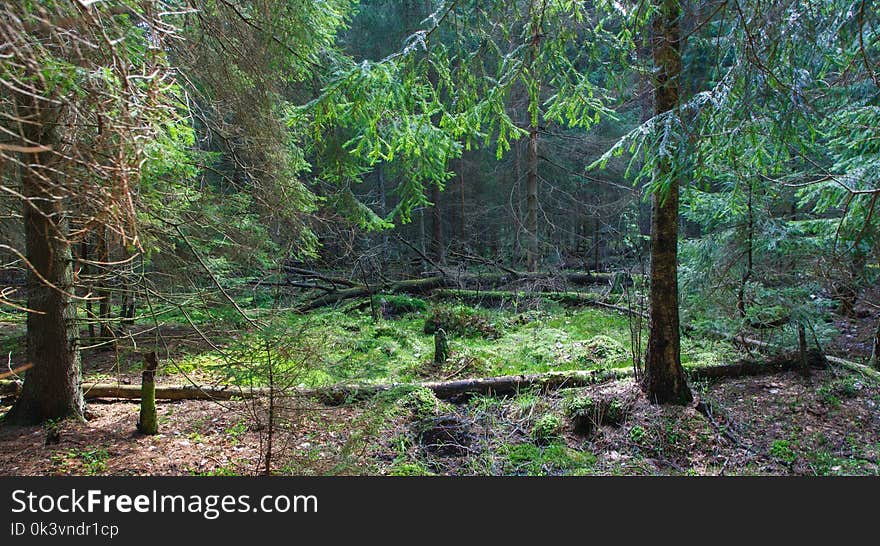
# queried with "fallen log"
point(452, 279)
point(500, 385)
point(412, 286)
point(862, 369)
point(780, 363)
point(446, 390)
point(499, 297)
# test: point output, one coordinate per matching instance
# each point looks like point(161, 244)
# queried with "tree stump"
point(441, 347)
point(148, 422)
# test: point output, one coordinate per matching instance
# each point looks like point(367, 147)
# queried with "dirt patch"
point(195, 438)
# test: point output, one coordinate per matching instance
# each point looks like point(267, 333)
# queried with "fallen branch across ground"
point(498, 297)
point(862, 369)
point(446, 390)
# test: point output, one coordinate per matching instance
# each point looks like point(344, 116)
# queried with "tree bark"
point(52, 387)
point(664, 380)
point(148, 422)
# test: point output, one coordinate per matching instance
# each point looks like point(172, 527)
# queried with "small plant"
point(236, 431)
point(637, 434)
point(781, 449)
point(581, 410)
point(546, 429)
point(587, 413)
point(93, 460)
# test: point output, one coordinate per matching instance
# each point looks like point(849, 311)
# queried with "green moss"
point(422, 403)
point(460, 320)
point(409, 469)
point(534, 460)
point(395, 304)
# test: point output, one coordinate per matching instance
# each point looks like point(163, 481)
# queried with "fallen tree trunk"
point(413, 286)
point(451, 279)
point(446, 390)
point(866, 371)
point(500, 385)
point(498, 297)
point(780, 363)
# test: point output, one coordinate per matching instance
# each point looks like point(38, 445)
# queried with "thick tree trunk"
point(52, 387)
point(148, 422)
point(664, 379)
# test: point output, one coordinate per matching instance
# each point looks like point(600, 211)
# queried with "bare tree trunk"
point(437, 250)
point(462, 218)
point(875, 353)
point(53, 386)
point(383, 203)
point(90, 313)
point(103, 292)
point(532, 202)
point(664, 380)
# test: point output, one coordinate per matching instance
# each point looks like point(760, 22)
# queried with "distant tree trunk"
point(90, 313)
point(750, 250)
point(875, 353)
point(532, 202)
point(422, 236)
point(664, 380)
point(383, 203)
point(462, 218)
point(103, 291)
point(802, 350)
point(53, 386)
point(596, 263)
point(437, 250)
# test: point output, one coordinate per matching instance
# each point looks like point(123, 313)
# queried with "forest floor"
point(775, 424)
point(772, 424)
